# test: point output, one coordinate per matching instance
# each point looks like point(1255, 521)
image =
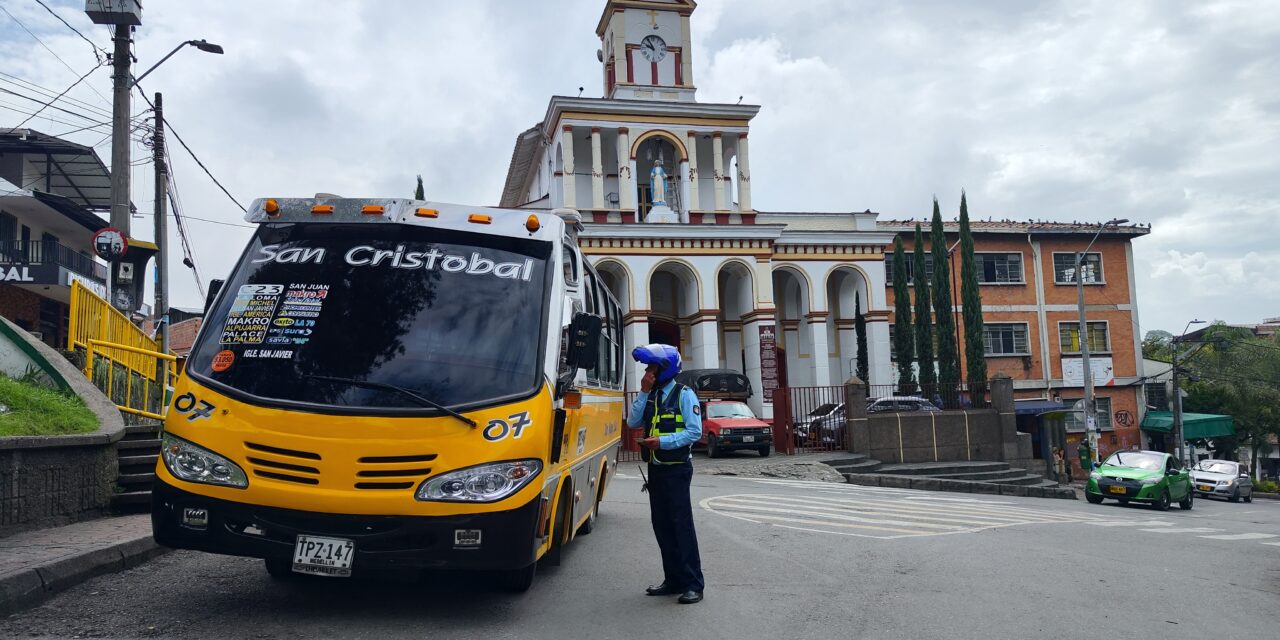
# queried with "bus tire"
point(280, 569)
point(518, 580)
point(560, 525)
point(590, 525)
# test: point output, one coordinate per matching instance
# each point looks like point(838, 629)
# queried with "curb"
point(26, 588)
point(924, 483)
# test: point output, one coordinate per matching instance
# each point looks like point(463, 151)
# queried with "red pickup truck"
point(729, 425)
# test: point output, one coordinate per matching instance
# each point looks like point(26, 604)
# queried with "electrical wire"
point(96, 49)
point(51, 51)
point(46, 92)
point(170, 129)
point(51, 106)
point(45, 105)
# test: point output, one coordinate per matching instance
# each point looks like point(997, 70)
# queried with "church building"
point(663, 183)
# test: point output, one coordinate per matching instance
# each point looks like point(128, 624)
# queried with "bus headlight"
point(482, 483)
point(193, 463)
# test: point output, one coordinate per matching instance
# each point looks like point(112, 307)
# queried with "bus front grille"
point(381, 473)
point(284, 465)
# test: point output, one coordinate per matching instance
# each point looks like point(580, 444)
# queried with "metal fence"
point(808, 419)
point(903, 398)
point(118, 357)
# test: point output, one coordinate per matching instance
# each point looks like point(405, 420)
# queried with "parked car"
point(1222, 478)
point(1153, 477)
point(729, 425)
point(900, 404)
point(820, 424)
point(716, 383)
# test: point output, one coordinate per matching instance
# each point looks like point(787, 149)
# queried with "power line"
point(96, 48)
point(51, 106)
point(45, 105)
point(190, 217)
point(25, 84)
point(193, 155)
point(51, 51)
point(27, 112)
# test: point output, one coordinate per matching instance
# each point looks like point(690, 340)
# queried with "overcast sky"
point(1160, 112)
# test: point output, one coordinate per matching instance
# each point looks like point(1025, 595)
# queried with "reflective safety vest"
point(664, 420)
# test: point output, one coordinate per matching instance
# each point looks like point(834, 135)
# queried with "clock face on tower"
point(653, 48)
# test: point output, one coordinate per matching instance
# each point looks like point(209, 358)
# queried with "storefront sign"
point(88, 283)
point(28, 273)
point(768, 360)
point(1101, 367)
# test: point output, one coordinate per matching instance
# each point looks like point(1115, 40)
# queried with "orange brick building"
point(1031, 318)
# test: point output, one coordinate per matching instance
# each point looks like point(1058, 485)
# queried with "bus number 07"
point(499, 429)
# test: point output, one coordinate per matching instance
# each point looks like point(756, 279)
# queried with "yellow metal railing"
point(135, 403)
point(120, 358)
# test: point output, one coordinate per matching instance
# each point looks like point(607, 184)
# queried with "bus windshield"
point(364, 317)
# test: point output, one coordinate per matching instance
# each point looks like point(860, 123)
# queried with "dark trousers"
point(672, 517)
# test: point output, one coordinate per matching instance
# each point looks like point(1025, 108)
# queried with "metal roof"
point(70, 170)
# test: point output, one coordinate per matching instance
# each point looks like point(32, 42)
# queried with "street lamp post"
point(1179, 441)
point(1090, 417)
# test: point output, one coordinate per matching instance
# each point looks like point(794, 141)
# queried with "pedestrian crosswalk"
point(884, 513)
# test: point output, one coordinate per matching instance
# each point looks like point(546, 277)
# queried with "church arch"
point(659, 133)
point(618, 278)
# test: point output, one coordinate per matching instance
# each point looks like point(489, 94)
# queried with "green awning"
point(1195, 426)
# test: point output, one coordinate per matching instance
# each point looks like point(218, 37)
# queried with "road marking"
point(881, 517)
point(1132, 523)
point(1183, 530)
point(1241, 536)
point(1274, 544)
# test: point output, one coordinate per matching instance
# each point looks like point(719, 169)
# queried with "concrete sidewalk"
point(36, 564)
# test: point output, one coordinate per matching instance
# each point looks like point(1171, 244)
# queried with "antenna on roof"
point(579, 92)
point(739, 99)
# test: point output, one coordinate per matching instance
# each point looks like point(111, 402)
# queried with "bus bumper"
point(508, 538)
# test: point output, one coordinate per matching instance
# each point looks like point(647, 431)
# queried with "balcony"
point(46, 253)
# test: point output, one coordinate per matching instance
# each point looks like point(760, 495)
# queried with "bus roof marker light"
point(479, 218)
point(372, 210)
point(532, 223)
point(271, 207)
point(427, 213)
point(322, 209)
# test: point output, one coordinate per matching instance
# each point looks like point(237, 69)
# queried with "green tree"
point(1158, 345)
point(418, 193)
point(860, 330)
point(924, 318)
point(1235, 373)
point(943, 308)
point(904, 347)
point(971, 300)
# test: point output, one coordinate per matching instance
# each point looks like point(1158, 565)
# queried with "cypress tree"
point(924, 318)
point(903, 343)
point(860, 330)
point(944, 308)
point(418, 193)
point(971, 299)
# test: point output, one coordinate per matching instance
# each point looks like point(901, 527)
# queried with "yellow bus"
point(396, 384)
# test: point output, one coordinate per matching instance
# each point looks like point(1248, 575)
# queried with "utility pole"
point(1178, 443)
point(162, 242)
point(1090, 412)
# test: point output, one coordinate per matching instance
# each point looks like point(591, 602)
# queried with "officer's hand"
point(646, 383)
point(650, 443)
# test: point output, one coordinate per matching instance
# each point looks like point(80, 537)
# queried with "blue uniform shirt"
point(689, 408)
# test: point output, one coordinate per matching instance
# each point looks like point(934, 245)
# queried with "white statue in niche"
point(658, 184)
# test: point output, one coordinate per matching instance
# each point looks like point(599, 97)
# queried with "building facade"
point(664, 186)
point(51, 191)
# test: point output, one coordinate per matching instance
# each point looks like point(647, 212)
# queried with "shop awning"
point(1194, 425)
point(1038, 407)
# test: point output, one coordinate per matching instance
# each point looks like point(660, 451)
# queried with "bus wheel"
point(590, 524)
point(559, 527)
point(280, 569)
point(518, 580)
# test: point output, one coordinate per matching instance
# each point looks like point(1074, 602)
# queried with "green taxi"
point(1153, 477)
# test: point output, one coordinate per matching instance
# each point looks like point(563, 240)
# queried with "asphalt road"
point(783, 559)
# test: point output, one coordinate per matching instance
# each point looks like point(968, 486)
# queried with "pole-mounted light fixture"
point(203, 45)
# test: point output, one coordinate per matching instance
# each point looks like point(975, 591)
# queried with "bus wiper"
point(424, 401)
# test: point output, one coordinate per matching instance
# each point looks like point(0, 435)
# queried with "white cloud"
point(1161, 113)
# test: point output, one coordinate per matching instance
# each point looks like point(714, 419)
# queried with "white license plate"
point(323, 556)
point(748, 438)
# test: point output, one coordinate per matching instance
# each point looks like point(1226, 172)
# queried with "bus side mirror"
point(215, 286)
point(584, 341)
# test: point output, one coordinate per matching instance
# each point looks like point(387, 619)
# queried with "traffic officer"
point(672, 421)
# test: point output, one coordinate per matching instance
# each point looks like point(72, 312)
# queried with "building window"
point(1069, 337)
point(1075, 421)
point(893, 351)
point(1005, 339)
point(888, 268)
point(1064, 268)
point(999, 268)
point(1157, 396)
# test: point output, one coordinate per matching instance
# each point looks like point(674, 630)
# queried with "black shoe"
point(660, 590)
point(690, 597)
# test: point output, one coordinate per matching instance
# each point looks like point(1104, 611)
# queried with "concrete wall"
point(51, 480)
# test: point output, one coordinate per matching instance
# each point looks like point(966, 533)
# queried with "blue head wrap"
point(665, 356)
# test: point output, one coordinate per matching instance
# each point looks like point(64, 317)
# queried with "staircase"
point(965, 477)
point(137, 453)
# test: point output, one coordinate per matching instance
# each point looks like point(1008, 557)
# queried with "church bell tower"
point(646, 49)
